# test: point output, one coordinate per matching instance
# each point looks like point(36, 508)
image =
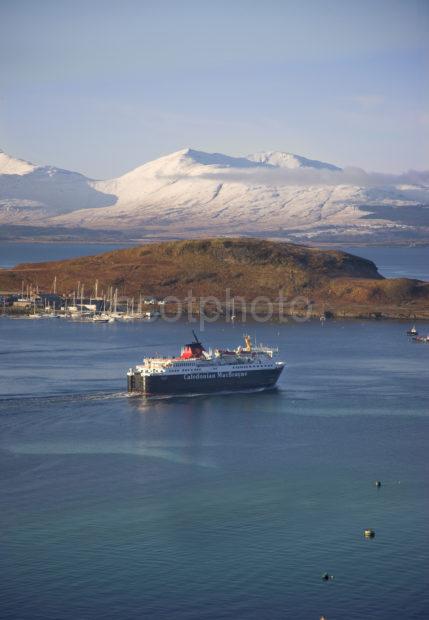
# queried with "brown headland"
point(334, 282)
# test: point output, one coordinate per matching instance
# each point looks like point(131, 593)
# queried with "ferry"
point(197, 371)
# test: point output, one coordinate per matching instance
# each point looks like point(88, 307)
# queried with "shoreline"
point(157, 239)
point(212, 278)
point(170, 315)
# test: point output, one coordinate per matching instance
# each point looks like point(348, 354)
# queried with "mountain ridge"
point(190, 192)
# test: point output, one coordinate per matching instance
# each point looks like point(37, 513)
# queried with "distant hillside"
point(190, 194)
point(342, 283)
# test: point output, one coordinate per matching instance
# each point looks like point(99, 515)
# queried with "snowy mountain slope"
point(289, 160)
point(191, 192)
point(31, 194)
point(10, 165)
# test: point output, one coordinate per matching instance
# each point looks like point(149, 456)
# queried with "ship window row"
point(244, 367)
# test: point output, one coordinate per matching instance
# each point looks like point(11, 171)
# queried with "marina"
point(104, 308)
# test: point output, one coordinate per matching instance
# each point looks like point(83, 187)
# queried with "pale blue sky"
point(102, 86)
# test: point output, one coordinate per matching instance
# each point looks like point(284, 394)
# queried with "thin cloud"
point(307, 177)
point(367, 101)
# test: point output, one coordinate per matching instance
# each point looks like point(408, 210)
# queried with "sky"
point(103, 86)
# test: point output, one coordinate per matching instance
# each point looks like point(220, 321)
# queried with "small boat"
point(126, 317)
point(34, 315)
point(233, 315)
point(99, 318)
point(149, 316)
point(413, 331)
point(423, 339)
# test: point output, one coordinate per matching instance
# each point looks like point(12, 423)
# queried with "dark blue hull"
point(206, 383)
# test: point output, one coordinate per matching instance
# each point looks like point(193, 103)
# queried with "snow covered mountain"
point(289, 160)
point(9, 165)
point(31, 194)
point(190, 192)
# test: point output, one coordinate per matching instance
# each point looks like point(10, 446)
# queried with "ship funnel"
point(248, 342)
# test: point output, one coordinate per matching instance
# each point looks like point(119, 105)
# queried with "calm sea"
point(226, 506)
point(12, 253)
point(393, 262)
point(397, 262)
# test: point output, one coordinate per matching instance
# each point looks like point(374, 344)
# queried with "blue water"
point(398, 261)
point(222, 506)
point(393, 262)
point(13, 253)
